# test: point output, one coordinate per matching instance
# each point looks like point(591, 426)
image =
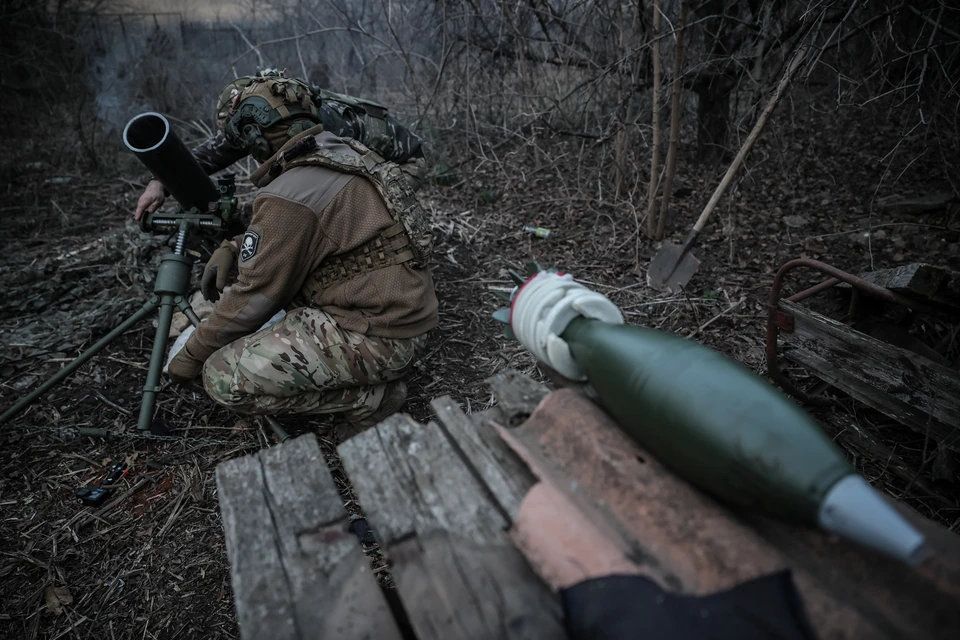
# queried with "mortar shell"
point(729, 432)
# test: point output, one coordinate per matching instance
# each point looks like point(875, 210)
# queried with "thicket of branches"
point(478, 76)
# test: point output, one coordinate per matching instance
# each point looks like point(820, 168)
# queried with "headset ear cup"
point(230, 133)
point(256, 143)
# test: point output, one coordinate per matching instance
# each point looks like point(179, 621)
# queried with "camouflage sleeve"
point(340, 120)
point(415, 170)
point(272, 268)
point(386, 135)
point(406, 144)
point(216, 154)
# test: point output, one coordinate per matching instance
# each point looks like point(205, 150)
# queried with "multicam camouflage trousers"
point(306, 363)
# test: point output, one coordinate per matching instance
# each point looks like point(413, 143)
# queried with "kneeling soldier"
point(338, 239)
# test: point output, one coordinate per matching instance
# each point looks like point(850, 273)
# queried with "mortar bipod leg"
point(157, 357)
point(80, 360)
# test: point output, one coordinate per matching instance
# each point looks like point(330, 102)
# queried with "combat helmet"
point(250, 105)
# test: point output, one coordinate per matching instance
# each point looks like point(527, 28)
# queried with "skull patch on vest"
point(248, 249)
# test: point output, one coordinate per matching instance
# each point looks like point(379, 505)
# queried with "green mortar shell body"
point(710, 419)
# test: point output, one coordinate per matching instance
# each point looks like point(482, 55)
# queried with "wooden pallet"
point(443, 499)
point(908, 382)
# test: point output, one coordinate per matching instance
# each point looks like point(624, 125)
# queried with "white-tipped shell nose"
point(855, 510)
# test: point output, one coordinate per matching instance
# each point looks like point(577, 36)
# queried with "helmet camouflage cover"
point(250, 105)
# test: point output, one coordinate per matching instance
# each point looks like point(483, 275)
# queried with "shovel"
point(674, 265)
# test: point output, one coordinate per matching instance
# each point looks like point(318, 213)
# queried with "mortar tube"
point(151, 138)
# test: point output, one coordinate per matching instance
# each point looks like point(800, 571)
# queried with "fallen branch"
point(735, 305)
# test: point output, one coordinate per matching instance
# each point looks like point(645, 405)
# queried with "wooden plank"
point(918, 278)
point(920, 281)
point(507, 478)
point(914, 204)
point(517, 395)
point(297, 571)
point(455, 569)
point(899, 383)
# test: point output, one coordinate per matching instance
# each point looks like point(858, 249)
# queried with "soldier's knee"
point(221, 382)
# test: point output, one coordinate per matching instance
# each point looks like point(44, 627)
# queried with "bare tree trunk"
point(713, 88)
point(620, 143)
point(674, 121)
point(713, 117)
point(655, 152)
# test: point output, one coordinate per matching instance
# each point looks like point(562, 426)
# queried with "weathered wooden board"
point(920, 279)
point(901, 602)
point(507, 478)
point(914, 204)
point(455, 569)
point(296, 569)
point(899, 383)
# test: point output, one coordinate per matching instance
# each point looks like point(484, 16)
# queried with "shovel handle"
point(754, 134)
point(691, 238)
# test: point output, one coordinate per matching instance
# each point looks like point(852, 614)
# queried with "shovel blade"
point(671, 269)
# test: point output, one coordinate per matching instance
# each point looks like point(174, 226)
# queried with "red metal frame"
point(778, 319)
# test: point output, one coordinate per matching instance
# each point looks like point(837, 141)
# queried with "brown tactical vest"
point(408, 240)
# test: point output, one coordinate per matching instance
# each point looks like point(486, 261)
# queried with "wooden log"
point(919, 281)
point(915, 204)
point(297, 571)
point(456, 572)
point(918, 278)
point(899, 383)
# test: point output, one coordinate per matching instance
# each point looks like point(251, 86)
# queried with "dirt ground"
point(154, 564)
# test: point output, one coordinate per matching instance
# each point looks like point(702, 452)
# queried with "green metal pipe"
point(152, 387)
point(80, 360)
point(712, 420)
point(188, 311)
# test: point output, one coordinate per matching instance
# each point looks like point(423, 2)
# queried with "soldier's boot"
point(393, 398)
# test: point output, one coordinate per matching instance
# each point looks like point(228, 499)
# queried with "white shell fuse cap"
point(543, 308)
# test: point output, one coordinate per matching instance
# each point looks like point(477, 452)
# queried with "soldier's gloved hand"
point(150, 200)
point(215, 273)
point(184, 367)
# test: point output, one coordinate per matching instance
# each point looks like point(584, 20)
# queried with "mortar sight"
point(154, 142)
